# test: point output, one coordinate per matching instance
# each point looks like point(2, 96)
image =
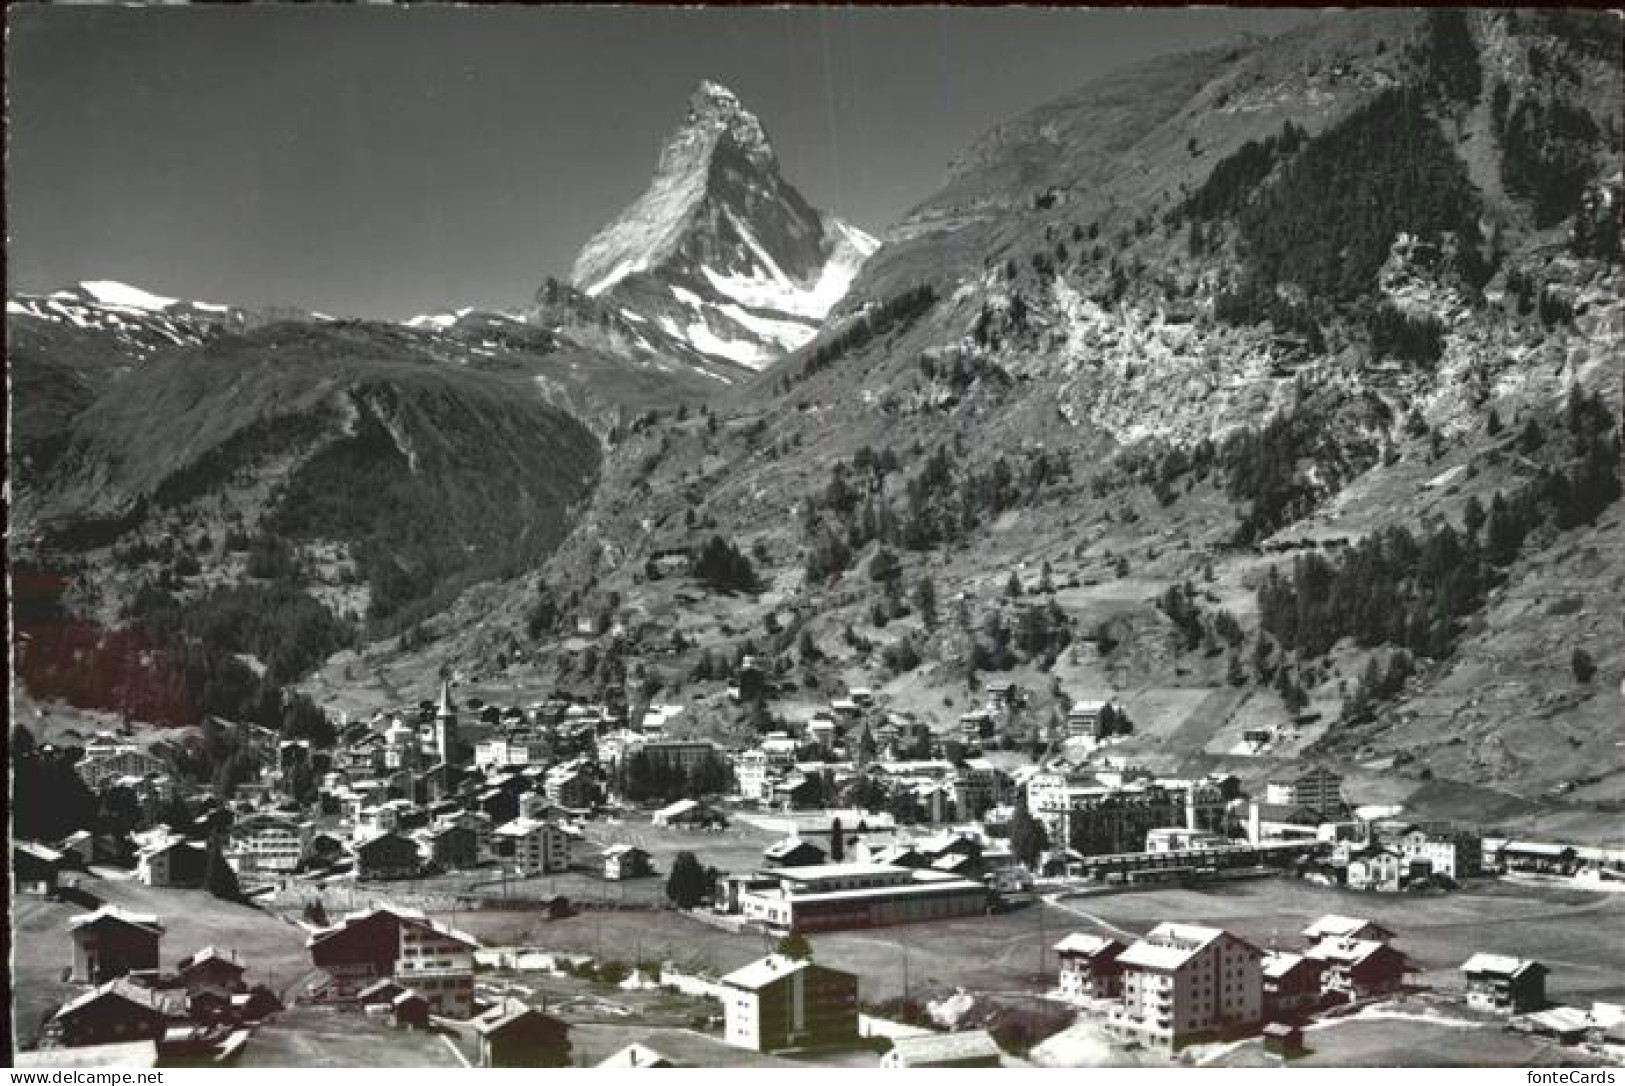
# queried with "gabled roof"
point(764, 971)
point(208, 954)
point(114, 914)
point(1349, 952)
point(1277, 964)
point(172, 843)
point(1089, 946)
point(38, 851)
point(400, 915)
point(1151, 956)
point(686, 1048)
point(523, 827)
point(385, 988)
point(1560, 1019)
point(637, 1055)
point(1335, 925)
point(1537, 848)
point(946, 1047)
point(122, 989)
point(514, 1014)
point(789, 846)
point(1500, 965)
point(1169, 946)
point(377, 838)
point(122, 1054)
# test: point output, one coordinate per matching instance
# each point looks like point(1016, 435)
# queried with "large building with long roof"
point(847, 896)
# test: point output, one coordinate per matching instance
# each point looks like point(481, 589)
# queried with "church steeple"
point(445, 726)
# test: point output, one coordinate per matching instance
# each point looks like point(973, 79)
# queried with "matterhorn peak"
point(715, 116)
point(710, 95)
point(720, 251)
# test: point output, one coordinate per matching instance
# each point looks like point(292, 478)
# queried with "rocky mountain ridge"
point(721, 251)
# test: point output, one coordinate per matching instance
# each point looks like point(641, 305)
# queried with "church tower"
point(445, 727)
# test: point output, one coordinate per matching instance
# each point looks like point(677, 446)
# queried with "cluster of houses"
point(1183, 984)
point(202, 1010)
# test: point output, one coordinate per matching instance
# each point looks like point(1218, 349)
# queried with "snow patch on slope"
point(121, 295)
point(742, 351)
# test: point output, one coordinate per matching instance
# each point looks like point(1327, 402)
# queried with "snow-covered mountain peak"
point(110, 292)
point(720, 251)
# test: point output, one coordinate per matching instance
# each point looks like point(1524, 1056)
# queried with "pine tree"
point(925, 600)
point(796, 947)
point(218, 877)
point(685, 885)
point(1028, 840)
point(1473, 516)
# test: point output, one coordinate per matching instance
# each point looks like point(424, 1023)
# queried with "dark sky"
point(382, 162)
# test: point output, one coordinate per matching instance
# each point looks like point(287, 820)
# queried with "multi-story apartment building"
point(755, 772)
point(268, 843)
point(431, 959)
point(107, 759)
point(1089, 967)
point(534, 848)
point(1317, 790)
point(568, 785)
point(1094, 813)
point(1084, 718)
point(1454, 854)
point(1184, 983)
point(778, 1003)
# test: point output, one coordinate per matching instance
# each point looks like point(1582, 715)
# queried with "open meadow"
point(313, 1036)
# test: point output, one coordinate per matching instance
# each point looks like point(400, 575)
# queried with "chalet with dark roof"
point(116, 1012)
point(514, 1034)
point(110, 943)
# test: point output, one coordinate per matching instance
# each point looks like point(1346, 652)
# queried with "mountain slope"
point(1107, 374)
point(721, 251)
point(350, 439)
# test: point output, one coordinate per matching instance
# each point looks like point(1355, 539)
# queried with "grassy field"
point(991, 953)
point(1579, 936)
point(740, 848)
point(579, 1001)
point(1390, 1040)
point(273, 949)
point(327, 1037)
